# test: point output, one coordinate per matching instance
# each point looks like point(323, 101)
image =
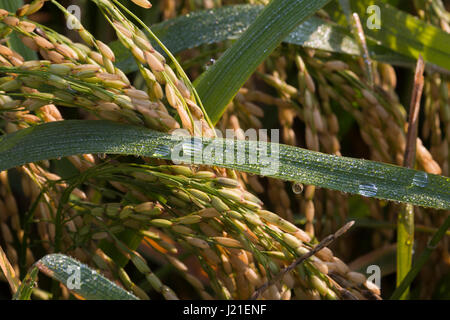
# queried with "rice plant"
point(140, 156)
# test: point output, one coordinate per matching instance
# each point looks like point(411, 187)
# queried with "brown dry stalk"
point(324, 243)
point(8, 271)
point(413, 121)
point(361, 39)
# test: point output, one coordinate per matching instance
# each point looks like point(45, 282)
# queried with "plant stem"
point(405, 242)
point(404, 285)
point(405, 221)
point(360, 37)
point(324, 243)
point(26, 230)
point(8, 272)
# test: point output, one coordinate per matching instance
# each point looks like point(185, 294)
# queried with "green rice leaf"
point(229, 22)
point(406, 34)
point(81, 279)
point(220, 83)
point(26, 287)
point(356, 176)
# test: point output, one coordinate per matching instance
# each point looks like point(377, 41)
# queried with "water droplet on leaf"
point(297, 188)
point(368, 190)
point(161, 151)
point(420, 179)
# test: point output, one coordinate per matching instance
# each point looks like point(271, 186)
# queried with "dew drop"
point(161, 150)
point(209, 63)
point(368, 190)
point(420, 179)
point(297, 188)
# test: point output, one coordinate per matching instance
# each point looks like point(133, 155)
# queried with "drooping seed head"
point(22, 10)
point(319, 285)
point(43, 43)
point(143, 3)
point(228, 242)
point(5, 51)
point(11, 21)
point(153, 62)
point(35, 6)
point(196, 242)
point(106, 50)
point(3, 13)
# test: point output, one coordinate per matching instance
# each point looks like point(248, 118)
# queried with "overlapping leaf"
point(367, 178)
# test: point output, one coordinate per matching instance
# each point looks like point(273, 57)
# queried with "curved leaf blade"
point(229, 22)
point(357, 176)
point(220, 83)
point(91, 286)
point(406, 34)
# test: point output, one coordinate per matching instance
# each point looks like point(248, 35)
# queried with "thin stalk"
point(405, 242)
point(358, 31)
point(405, 221)
point(354, 22)
point(26, 230)
point(324, 243)
point(408, 279)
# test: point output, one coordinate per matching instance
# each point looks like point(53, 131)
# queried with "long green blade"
point(229, 22)
point(81, 279)
point(406, 34)
point(363, 177)
point(220, 83)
